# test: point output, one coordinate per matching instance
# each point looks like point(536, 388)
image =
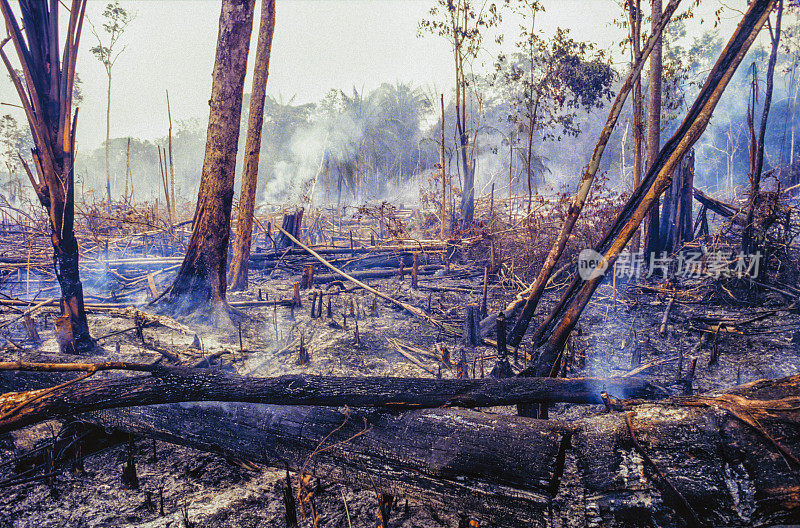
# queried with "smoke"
point(313, 159)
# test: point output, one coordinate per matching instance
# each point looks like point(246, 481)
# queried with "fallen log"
point(662, 464)
point(721, 208)
point(172, 384)
point(295, 251)
point(374, 274)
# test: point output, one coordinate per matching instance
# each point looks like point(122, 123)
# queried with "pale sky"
point(318, 45)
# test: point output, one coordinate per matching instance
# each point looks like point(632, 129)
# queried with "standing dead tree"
point(676, 222)
point(201, 277)
point(237, 275)
point(634, 10)
point(564, 316)
point(752, 236)
point(45, 90)
point(462, 25)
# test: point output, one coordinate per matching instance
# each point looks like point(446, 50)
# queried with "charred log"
point(292, 223)
point(591, 471)
point(181, 384)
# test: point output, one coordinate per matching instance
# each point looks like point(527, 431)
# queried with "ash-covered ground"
point(619, 332)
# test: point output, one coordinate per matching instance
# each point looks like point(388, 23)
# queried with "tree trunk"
point(291, 223)
point(654, 129)
point(201, 278)
point(509, 471)
point(108, 138)
point(182, 384)
point(676, 209)
point(635, 10)
point(237, 275)
point(753, 235)
point(565, 315)
point(528, 163)
point(443, 233)
point(468, 190)
point(46, 96)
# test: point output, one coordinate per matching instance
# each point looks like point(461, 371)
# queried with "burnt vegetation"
point(562, 293)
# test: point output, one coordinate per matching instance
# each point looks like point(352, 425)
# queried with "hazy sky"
point(318, 45)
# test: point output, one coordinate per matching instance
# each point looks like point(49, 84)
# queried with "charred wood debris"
point(685, 339)
point(525, 370)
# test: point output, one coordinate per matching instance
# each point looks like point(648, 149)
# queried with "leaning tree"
point(200, 282)
point(45, 89)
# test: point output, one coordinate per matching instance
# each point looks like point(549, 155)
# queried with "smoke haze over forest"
point(354, 80)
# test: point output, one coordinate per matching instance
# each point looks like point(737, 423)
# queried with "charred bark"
point(237, 275)
point(512, 471)
point(676, 211)
point(45, 90)
point(181, 384)
point(201, 277)
point(291, 223)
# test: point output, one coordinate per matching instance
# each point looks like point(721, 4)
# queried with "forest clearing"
point(560, 292)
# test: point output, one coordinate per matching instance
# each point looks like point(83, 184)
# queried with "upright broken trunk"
point(753, 235)
point(46, 96)
point(676, 211)
point(291, 223)
point(201, 278)
point(237, 275)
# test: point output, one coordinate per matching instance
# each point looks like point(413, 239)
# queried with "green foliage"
point(548, 80)
point(116, 20)
point(461, 24)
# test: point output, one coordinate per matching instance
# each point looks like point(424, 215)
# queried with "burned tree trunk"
point(676, 211)
point(712, 461)
point(46, 96)
point(653, 244)
point(201, 278)
point(753, 235)
point(564, 316)
point(291, 223)
point(237, 275)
